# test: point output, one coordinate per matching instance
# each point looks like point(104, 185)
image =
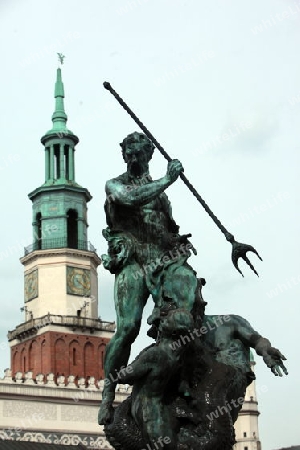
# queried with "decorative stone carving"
point(93, 441)
point(7, 376)
point(28, 378)
point(81, 383)
point(91, 384)
point(71, 383)
point(40, 379)
point(61, 381)
point(123, 388)
point(19, 377)
point(50, 380)
point(101, 384)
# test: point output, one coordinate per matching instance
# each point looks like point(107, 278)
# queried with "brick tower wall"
point(62, 354)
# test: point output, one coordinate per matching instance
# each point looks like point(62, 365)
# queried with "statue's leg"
point(158, 427)
point(130, 297)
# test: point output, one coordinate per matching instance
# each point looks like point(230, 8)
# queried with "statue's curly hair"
point(133, 137)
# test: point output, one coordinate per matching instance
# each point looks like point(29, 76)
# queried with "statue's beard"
point(137, 169)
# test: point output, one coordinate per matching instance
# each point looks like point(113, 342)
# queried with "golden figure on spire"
point(61, 58)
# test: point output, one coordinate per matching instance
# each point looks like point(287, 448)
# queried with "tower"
point(61, 333)
point(246, 426)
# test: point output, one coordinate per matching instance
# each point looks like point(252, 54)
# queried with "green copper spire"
point(59, 117)
point(59, 142)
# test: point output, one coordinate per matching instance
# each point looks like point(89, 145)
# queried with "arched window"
point(34, 365)
point(100, 359)
point(16, 362)
point(75, 358)
point(44, 357)
point(38, 236)
point(61, 361)
point(89, 360)
point(23, 361)
point(56, 161)
point(72, 228)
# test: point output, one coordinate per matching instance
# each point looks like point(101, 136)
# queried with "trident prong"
point(240, 250)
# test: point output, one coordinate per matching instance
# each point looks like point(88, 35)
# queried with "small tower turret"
point(246, 426)
point(60, 204)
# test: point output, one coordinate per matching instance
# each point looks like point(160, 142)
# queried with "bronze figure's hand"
point(174, 169)
point(274, 360)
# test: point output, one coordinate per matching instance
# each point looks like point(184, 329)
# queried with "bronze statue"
point(146, 252)
point(183, 380)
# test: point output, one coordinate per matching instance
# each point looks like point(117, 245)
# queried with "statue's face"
point(177, 322)
point(136, 155)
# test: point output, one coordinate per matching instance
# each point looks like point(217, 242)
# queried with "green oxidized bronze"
point(146, 251)
point(198, 362)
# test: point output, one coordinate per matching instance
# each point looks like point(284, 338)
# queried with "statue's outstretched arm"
point(135, 195)
point(272, 357)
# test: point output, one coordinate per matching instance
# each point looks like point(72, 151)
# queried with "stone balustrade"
point(49, 380)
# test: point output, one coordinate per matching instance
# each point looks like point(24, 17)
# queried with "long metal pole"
point(238, 250)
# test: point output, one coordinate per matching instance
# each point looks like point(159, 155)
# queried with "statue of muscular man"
point(146, 254)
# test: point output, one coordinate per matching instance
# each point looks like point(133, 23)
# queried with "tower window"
point(245, 448)
point(38, 234)
point(57, 161)
point(72, 228)
point(74, 356)
point(66, 154)
point(245, 434)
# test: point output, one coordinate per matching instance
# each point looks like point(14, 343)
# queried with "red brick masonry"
point(60, 353)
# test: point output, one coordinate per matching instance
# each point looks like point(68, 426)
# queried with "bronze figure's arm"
point(141, 195)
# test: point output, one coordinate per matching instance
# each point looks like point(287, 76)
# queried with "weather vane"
point(61, 58)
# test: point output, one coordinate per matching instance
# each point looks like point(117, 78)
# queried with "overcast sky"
point(218, 84)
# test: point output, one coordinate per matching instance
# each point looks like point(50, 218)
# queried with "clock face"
point(78, 281)
point(31, 285)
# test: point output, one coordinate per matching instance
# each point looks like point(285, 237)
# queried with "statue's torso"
point(149, 223)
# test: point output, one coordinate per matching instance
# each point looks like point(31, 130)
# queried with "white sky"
point(192, 71)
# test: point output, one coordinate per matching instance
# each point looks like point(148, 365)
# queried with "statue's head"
point(137, 150)
point(177, 322)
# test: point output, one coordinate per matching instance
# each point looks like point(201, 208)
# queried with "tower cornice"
point(58, 186)
point(35, 255)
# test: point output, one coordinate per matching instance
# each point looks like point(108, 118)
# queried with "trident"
point(238, 250)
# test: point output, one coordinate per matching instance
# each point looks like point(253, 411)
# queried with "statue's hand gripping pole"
point(238, 250)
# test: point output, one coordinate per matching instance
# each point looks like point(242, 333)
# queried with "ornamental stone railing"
point(33, 325)
point(50, 381)
point(48, 244)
